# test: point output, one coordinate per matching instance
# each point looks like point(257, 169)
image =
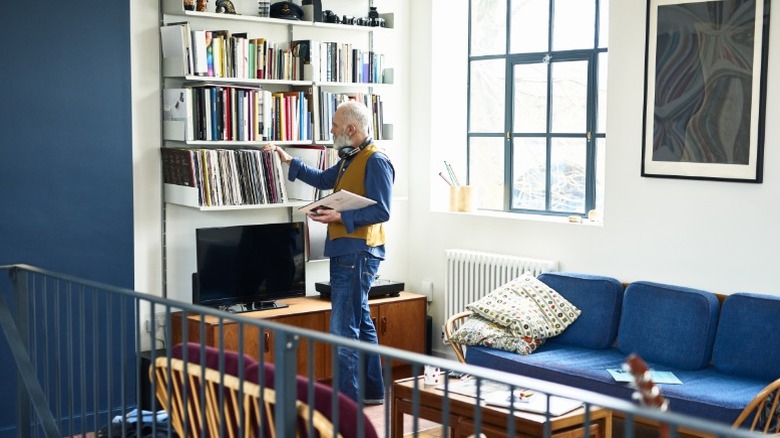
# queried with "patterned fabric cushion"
point(528, 308)
point(477, 330)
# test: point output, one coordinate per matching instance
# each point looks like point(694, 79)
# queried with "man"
point(356, 239)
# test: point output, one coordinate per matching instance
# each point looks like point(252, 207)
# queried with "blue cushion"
point(747, 343)
point(669, 325)
point(598, 298)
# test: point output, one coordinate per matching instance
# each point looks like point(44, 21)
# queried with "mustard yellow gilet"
point(354, 180)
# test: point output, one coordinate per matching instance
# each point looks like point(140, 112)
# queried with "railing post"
point(29, 390)
point(19, 281)
point(285, 382)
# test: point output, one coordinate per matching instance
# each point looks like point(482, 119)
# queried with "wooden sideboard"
point(400, 323)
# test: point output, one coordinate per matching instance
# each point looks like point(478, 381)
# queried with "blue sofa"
point(724, 353)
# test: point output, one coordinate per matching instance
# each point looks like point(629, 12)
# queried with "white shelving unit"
point(182, 212)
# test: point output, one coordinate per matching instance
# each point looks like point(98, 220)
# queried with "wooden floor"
point(425, 428)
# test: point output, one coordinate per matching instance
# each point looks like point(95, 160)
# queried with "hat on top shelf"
point(286, 10)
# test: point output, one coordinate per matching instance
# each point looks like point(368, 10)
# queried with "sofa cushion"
point(669, 325)
point(704, 393)
point(527, 307)
point(599, 300)
point(746, 343)
point(477, 330)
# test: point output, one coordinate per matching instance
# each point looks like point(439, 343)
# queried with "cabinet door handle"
point(267, 341)
point(384, 325)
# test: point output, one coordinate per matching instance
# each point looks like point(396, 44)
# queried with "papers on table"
point(536, 403)
point(662, 377)
point(498, 394)
point(342, 200)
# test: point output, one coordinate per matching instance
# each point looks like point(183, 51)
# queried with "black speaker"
point(428, 335)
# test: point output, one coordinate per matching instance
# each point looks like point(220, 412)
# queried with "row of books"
point(227, 177)
point(340, 62)
point(228, 113)
point(329, 101)
point(221, 54)
point(244, 176)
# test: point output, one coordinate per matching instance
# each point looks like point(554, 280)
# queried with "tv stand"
point(400, 323)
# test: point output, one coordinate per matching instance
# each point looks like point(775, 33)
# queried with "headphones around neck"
point(349, 152)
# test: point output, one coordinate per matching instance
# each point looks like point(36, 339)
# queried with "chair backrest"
point(345, 409)
point(451, 326)
point(763, 412)
point(232, 408)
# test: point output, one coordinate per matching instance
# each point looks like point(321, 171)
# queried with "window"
point(537, 104)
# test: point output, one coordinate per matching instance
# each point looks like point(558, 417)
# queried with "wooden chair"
point(225, 418)
point(763, 411)
point(451, 326)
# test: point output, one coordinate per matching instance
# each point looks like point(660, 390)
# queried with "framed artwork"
point(705, 89)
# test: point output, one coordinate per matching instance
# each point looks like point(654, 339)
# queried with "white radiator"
point(472, 275)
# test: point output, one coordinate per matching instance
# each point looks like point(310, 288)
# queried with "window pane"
point(602, 99)
point(486, 171)
point(530, 98)
point(600, 154)
point(603, 23)
point(570, 96)
point(529, 171)
point(574, 24)
point(487, 96)
point(488, 27)
point(567, 175)
point(530, 26)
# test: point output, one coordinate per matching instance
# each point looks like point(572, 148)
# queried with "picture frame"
point(705, 89)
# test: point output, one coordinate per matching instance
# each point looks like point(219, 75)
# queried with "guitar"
point(647, 393)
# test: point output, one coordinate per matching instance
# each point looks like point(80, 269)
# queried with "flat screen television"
point(249, 267)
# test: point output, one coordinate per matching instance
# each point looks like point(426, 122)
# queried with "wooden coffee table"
point(494, 419)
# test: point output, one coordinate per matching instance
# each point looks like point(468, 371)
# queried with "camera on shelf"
point(329, 16)
point(373, 19)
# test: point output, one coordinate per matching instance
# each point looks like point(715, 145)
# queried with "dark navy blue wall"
point(65, 145)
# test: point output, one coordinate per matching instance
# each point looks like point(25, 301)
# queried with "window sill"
point(525, 217)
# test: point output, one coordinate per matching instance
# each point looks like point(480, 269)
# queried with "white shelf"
point(188, 197)
point(260, 82)
point(238, 81)
point(176, 7)
point(233, 144)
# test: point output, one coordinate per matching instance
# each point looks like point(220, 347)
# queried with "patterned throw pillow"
point(477, 330)
point(527, 308)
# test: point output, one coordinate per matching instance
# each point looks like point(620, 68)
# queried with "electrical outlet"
point(444, 339)
point(159, 321)
point(426, 288)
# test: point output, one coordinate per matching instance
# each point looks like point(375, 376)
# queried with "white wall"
point(716, 236)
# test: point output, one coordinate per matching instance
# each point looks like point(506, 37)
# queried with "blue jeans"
point(351, 277)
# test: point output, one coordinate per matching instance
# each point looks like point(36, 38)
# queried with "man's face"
point(341, 132)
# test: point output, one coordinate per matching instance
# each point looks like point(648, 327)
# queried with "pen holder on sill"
point(462, 198)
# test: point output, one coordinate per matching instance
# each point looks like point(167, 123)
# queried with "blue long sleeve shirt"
point(380, 175)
